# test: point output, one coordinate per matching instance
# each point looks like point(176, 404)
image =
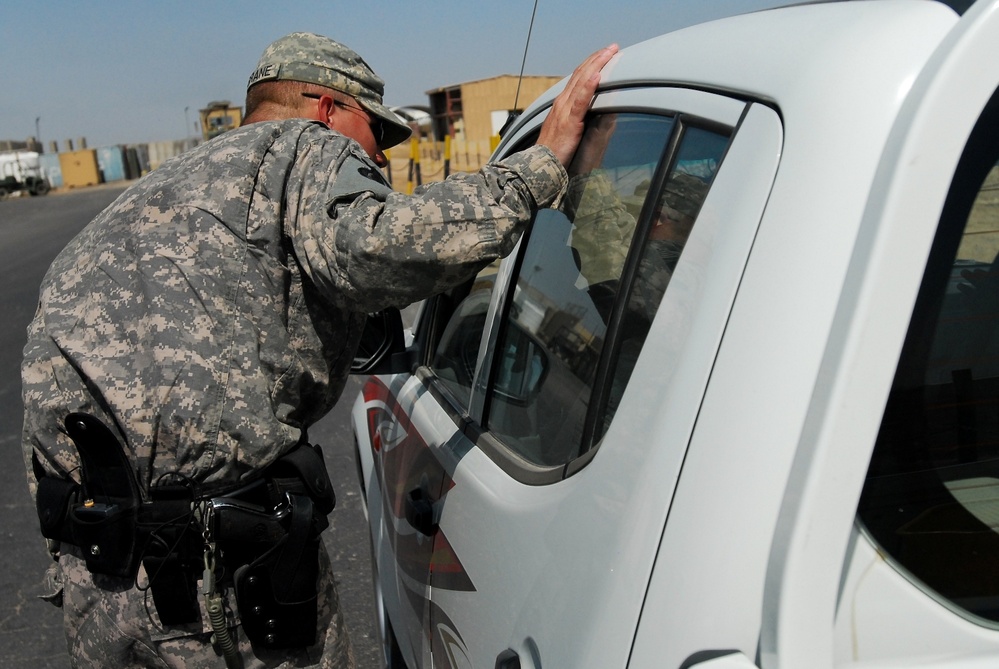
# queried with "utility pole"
point(187, 127)
point(38, 134)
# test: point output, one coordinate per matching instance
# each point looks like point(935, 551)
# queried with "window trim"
point(510, 461)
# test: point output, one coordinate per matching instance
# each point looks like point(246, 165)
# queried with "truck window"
point(931, 498)
point(590, 281)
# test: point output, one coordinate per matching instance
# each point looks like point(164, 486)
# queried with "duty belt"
point(265, 534)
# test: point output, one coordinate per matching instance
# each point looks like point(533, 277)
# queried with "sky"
point(135, 71)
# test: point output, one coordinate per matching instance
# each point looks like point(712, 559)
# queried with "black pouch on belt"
point(53, 500)
point(302, 470)
point(106, 518)
point(173, 553)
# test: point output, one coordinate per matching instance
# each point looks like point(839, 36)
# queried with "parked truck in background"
point(21, 171)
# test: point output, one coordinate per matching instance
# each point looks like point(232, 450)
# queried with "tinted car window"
point(673, 217)
point(931, 499)
point(605, 245)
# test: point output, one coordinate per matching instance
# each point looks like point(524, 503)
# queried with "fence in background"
point(423, 161)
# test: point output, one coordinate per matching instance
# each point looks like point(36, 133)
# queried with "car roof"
point(796, 53)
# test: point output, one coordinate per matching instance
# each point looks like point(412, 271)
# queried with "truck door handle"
point(420, 512)
point(508, 659)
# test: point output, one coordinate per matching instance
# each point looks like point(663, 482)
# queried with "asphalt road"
point(32, 232)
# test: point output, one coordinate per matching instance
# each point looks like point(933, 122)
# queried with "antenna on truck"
point(514, 113)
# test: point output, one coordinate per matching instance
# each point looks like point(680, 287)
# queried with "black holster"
point(269, 536)
point(100, 515)
point(276, 581)
point(115, 530)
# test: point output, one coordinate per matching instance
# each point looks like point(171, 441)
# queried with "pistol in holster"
point(269, 534)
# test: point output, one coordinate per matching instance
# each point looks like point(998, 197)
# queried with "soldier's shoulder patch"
point(356, 176)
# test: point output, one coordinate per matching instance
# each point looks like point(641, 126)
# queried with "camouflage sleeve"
point(375, 248)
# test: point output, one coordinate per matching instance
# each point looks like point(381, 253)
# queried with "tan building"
point(475, 111)
point(218, 117)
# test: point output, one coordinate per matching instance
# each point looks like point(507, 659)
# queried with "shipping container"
point(132, 168)
point(111, 160)
point(51, 169)
point(79, 168)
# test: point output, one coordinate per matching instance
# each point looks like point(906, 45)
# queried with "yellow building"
point(476, 110)
point(218, 117)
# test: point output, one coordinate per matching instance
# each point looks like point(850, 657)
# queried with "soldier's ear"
point(326, 110)
point(319, 108)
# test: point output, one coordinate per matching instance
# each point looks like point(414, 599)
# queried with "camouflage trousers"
point(112, 622)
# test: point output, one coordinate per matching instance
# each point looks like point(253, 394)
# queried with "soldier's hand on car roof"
point(563, 128)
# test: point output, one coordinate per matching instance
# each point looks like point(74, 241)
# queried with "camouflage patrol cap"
point(315, 59)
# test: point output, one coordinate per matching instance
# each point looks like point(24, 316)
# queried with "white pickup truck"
point(736, 403)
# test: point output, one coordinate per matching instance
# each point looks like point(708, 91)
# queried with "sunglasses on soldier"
point(377, 128)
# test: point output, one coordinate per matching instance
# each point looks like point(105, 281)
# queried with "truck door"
point(546, 527)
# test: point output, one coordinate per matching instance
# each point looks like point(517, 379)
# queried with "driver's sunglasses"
point(375, 123)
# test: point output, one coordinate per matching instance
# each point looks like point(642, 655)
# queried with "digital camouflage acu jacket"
point(210, 314)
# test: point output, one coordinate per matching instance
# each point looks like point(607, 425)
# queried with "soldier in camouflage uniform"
point(209, 316)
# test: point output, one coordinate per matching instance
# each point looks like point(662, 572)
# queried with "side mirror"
point(521, 369)
point(382, 342)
